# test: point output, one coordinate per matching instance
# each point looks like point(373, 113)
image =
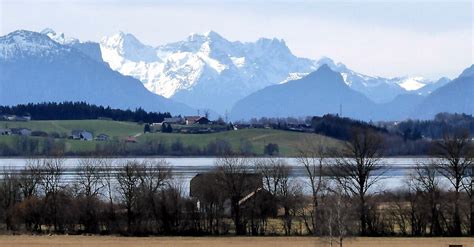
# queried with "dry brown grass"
point(102, 241)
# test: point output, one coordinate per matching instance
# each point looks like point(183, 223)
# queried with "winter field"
point(106, 241)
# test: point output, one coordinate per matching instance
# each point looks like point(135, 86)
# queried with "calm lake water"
point(185, 168)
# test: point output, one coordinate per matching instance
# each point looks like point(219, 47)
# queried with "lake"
point(185, 168)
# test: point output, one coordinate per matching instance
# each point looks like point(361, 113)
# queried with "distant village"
point(181, 125)
point(187, 124)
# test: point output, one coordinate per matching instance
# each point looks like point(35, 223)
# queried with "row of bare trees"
point(93, 197)
point(336, 194)
point(343, 193)
point(436, 200)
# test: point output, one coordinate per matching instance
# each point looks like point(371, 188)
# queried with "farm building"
point(203, 181)
point(15, 118)
point(173, 120)
point(202, 120)
point(102, 137)
point(81, 135)
point(5, 132)
point(21, 131)
point(210, 187)
point(191, 119)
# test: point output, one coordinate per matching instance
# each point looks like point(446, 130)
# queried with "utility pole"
point(340, 110)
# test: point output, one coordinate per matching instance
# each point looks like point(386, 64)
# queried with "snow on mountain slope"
point(412, 83)
point(128, 47)
point(384, 90)
point(23, 43)
point(59, 37)
point(204, 66)
point(318, 93)
point(430, 87)
point(34, 68)
point(453, 97)
point(204, 71)
point(209, 71)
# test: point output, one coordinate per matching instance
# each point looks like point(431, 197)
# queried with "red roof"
point(131, 139)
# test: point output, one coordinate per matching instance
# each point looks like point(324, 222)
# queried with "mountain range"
point(34, 69)
point(209, 71)
point(318, 93)
point(324, 91)
point(456, 96)
point(206, 71)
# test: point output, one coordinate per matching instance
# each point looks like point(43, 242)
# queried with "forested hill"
point(80, 111)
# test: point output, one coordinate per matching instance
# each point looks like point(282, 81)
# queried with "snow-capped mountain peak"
point(207, 36)
point(23, 43)
point(204, 62)
point(59, 37)
point(39, 69)
point(213, 36)
point(208, 64)
point(128, 47)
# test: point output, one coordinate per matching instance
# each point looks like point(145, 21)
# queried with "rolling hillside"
point(287, 141)
point(111, 128)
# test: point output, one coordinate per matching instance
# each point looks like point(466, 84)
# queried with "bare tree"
point(30, 178)
point(153, 178)
point(107, 171)
point(359, 168)
point(338, 216)
point(455, 158)
point(209, 199)
point(276, 179)
point(90, 185)
point(312, 157)
point(235, 179)
point(171, 207)
point(9, 196)
point(51, 173)
point(468, 185)
point(207, 113)
point(128, 178)
point(424, 179)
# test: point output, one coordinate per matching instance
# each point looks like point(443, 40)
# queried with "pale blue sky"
point(384, 38)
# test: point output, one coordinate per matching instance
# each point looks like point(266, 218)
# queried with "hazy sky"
point(384, 38)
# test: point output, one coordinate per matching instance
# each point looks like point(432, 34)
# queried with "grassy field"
point(115, 129)
point(71, 145)
point(287, 141)
point(106, 241)
point(111, 128)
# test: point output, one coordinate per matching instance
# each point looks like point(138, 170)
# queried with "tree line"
point(434, 128)
point(408, 137)
point(338, 195)
point(49, 146)
point(340, 127)
point(81, 111)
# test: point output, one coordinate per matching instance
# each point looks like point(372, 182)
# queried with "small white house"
point(173, 120)
point(5, 132)
point(102, 137)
